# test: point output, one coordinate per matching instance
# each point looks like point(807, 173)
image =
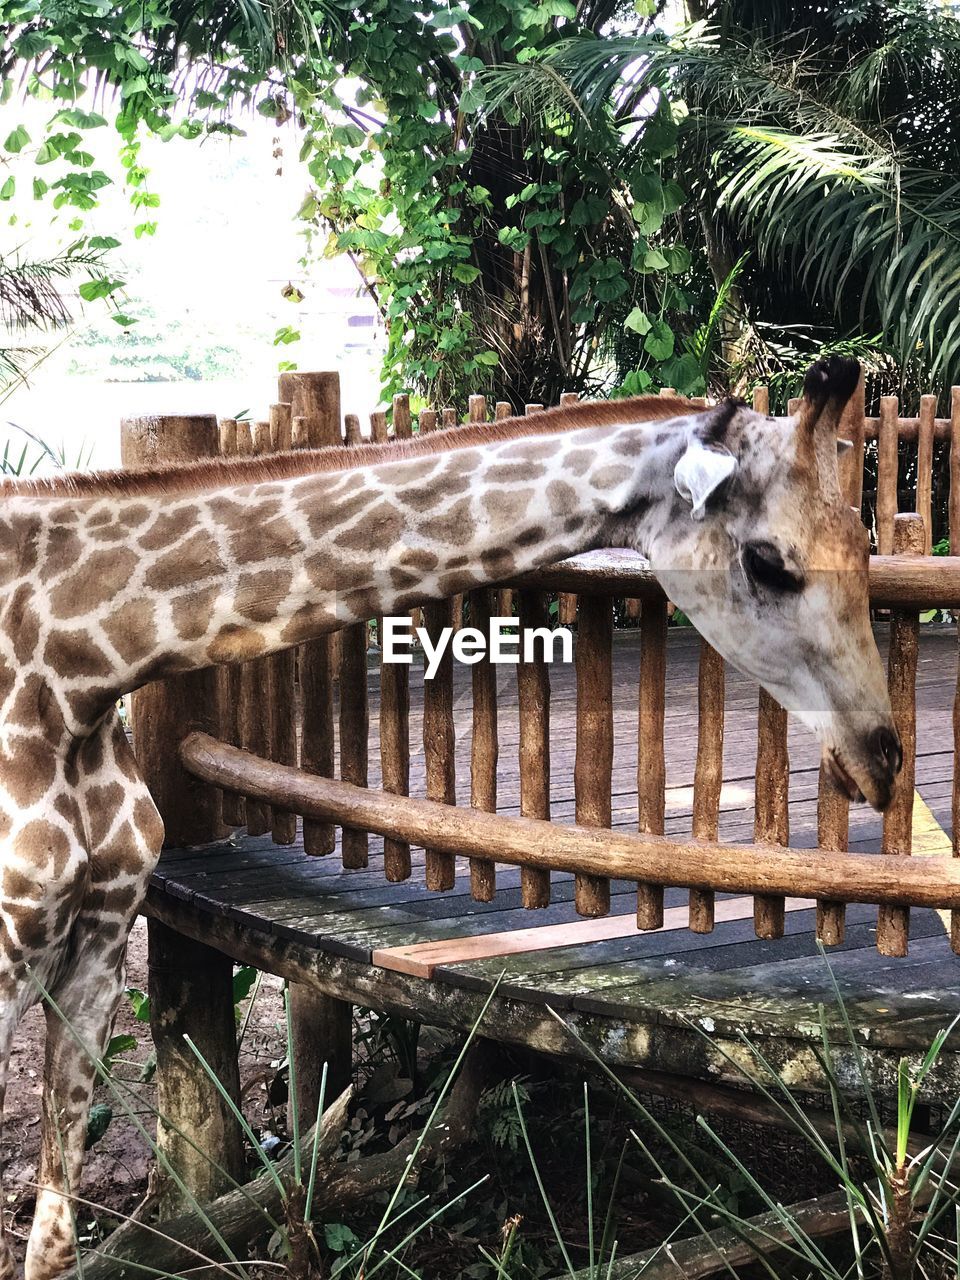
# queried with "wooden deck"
point(671, 1000)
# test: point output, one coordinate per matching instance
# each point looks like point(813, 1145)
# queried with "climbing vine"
point(504, 253)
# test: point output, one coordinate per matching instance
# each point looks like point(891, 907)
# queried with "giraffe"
point(116, 579)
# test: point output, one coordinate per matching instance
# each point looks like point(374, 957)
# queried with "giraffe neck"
point(105, 593)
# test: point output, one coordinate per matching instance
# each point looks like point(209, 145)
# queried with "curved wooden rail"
point(531, 842)
point(904, 582)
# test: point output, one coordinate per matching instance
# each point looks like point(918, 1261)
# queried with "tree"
point(502, 256)
point(824, 140)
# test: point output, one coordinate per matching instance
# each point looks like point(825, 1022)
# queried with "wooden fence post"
point(893, 923)
point(533, 697)
point(593, 764)
point(282, 666)
point(708, 772)
point(321, 1025)
point(191, 985)
point(439, 735)
point(394, 695)
point(314, 399)
point(651, 768)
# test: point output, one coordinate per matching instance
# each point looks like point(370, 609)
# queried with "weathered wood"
point(314, 400)
point(163, 711)
point(895, 581)
point(594, 759)
point(708, 773)
point(728, 868)
point(395, 693)
point(191, 994)
point(484, 745)
point(700, 1256)
point(378, 427)
point(256, 705)
point(233, 806)
point(242, 1215)
point(504, 595)
point(833, 828)
point(439, 741)
point(771, 792)
point(427, 421)
point(928, 413)
point(533, 697)
point(351, 429)
point(651, 765)
point(282, 683)
point(887, 473)
point(238, 1216)
point(448, 417)
point(322, 1029)
point(893, 923)
point(354, 730)
point(567, 601)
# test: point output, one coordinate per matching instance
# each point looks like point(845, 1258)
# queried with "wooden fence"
point(256, 721)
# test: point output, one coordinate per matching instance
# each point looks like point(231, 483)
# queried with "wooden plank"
point(281, 687)
point(421, 959)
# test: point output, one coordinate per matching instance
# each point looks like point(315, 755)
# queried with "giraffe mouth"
point(839, 774)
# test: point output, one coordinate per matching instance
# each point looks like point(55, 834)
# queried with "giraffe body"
point(109, 582)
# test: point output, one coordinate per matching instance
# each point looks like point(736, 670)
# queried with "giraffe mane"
point(211, 473)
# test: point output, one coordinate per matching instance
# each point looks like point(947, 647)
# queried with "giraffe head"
point(771, 565)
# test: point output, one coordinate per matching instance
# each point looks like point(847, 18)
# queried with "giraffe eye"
point(764, 567)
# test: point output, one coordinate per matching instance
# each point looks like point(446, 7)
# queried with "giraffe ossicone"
point(110, 581)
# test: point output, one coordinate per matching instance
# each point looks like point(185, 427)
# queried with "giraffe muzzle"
point(872, 777)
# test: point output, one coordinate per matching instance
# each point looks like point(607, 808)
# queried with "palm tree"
point(822, 140)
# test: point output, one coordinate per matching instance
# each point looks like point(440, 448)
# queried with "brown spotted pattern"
point(106, 586)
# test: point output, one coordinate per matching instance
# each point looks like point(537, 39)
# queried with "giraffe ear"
point(700, 473)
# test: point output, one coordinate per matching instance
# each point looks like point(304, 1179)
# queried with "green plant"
point(901, 1195)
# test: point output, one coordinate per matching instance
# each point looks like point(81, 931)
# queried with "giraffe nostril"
point(886, 745)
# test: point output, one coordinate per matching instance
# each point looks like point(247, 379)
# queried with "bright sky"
point(226, 244)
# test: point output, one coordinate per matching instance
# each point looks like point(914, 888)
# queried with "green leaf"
point(678, 259)
point(17, 139)
point(8, 189)
point(139, 1003)
point(653, 260)
point(659, 341)
point(102, 242)
point(472, 99)
point(465, 273)
point(487, 358)
point(101, 287)
point(40, 188)
point(243, 981)
point(98, 1122)
point(638, 321)
point(124, 321)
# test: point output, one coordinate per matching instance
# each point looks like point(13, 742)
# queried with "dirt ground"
point(117, 1166)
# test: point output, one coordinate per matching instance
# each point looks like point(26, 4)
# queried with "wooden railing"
point(260, 742)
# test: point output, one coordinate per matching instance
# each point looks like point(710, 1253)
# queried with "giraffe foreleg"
point(124, 834)
point(79, 1019)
